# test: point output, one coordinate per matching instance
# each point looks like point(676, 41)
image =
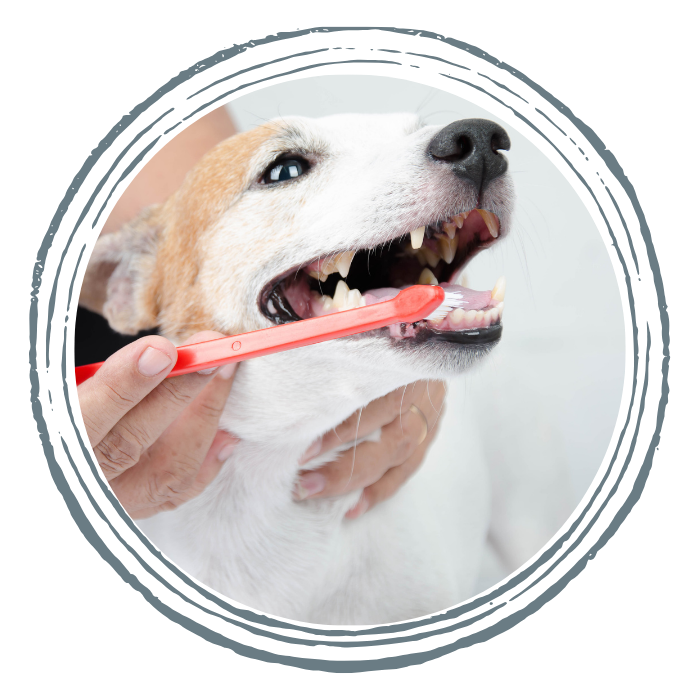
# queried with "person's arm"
point(165, 172)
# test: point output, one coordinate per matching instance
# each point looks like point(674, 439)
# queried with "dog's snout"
point(472, 146)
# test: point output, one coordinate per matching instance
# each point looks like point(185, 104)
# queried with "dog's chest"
point(414, 554)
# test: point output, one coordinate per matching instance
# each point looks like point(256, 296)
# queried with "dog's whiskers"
point(354, 449)
point(401, 409)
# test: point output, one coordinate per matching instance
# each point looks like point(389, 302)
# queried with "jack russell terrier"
point(300, 218)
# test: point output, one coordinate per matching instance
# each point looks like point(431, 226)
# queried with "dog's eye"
point(285, 169)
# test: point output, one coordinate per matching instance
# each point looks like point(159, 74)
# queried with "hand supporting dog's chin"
point(330, 381)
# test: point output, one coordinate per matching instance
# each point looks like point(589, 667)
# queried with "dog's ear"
point(117, 281)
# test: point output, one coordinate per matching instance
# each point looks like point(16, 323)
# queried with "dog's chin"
point(441, 355)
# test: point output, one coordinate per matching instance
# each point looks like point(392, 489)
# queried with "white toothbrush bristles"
point(452, 301)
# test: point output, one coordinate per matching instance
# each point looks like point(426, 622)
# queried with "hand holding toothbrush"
point(158, 444)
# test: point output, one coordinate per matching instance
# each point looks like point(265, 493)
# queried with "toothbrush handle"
point(410, 305)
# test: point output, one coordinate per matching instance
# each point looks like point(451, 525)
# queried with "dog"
point(301, 218)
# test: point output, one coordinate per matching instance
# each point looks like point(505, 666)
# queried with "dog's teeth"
point(498, 293)
point(448, 248)
point(427, 277)
point(457, 316)
point(458, 220)
point(340, 299)
point(329, 266)
point(490, 220)
point(431, 258)
point(499, 308)
point(271, 306)
point(417, 237)
point(469, 318)
point(343, 262)
point(318, 275)
point(327, 302)
point(479, 318)
point(355, 299)
point(449, 229)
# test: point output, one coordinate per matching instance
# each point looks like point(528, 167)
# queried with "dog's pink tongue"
point(307, 303)
point(469, 299)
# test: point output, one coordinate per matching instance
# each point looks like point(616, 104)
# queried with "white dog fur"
point(200, 261)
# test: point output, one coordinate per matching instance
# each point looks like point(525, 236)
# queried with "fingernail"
point(227, 450)
point(153, 362)
point(313, 450)
point(308, 485)
point(227, 371)
point(211, 370)
point(360, 508)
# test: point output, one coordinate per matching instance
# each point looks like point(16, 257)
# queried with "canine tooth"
point(431, 258)
point(490, 220)
point(458, 220)
point(340, 299)
point(417, 237)
point(448, 248)
point(328, 266)
point(469, 318)
point(318, 275)
point(499, 291)
point(449, 229)
point(427, 277)
point(343, 262)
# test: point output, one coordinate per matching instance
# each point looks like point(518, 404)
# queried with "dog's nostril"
point(466, 146)
point(497, 144)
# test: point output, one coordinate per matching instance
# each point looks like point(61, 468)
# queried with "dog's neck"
point(294, 397)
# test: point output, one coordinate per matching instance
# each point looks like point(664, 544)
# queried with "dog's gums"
point(429, 254)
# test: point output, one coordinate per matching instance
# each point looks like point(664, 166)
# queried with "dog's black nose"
point(472, 147)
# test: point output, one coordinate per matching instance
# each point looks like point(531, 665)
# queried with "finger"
point(389, 483)
point(430, 400)
point(223, 446)
point(170, 470)
point(124, 444)
point(175, 459)
point(376, 414)
point(122, 382)
point(365, 464)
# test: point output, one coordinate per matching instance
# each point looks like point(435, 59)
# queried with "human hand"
point(156, 439)
point(408, 419)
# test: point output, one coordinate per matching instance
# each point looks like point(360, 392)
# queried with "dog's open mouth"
point(430, 254)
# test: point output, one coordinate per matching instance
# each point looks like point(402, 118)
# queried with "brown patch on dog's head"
point(147, 273)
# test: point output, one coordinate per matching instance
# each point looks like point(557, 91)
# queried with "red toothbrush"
point(412, 304)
